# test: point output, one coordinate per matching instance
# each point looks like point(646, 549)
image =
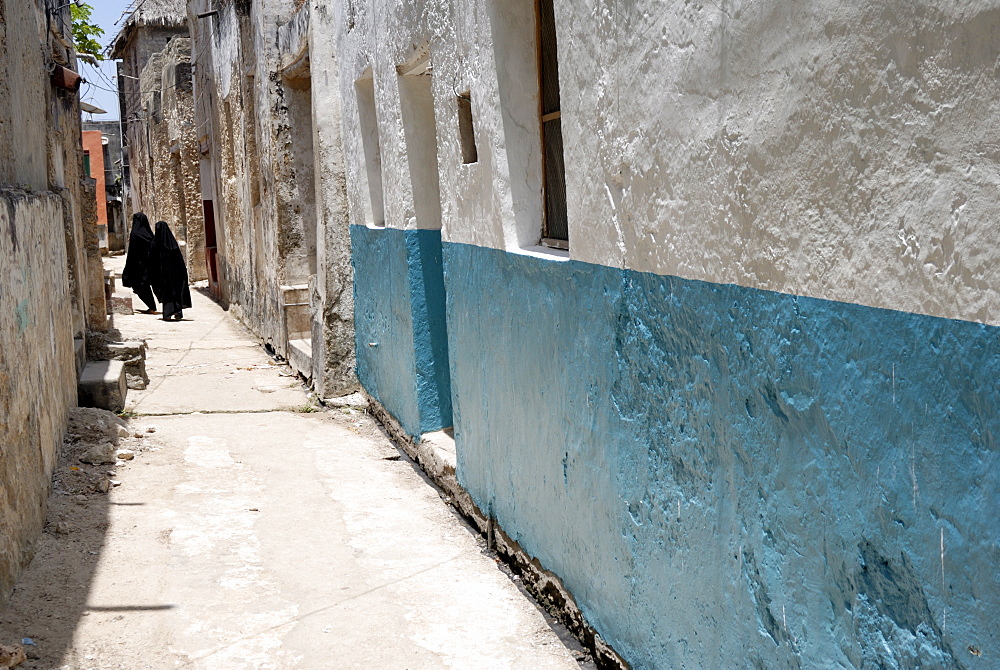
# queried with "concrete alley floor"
point(248, 533)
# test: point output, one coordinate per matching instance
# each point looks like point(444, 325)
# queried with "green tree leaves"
point(85, 33)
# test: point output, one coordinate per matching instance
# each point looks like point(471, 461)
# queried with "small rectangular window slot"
point(466, 130)
point(551, 117)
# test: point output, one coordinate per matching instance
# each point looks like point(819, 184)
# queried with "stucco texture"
point(731, 477)
point(37, 373)
point(834, 149)
point(752, 421)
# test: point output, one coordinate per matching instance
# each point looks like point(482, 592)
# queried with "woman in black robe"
point(140, 240)
point(168, 274)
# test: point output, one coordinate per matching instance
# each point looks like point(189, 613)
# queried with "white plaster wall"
point(476, 203)
point(840, 150)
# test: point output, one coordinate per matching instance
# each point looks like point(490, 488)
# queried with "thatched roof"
point(153, 13)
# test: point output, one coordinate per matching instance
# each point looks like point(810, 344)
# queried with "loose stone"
point(100, 455)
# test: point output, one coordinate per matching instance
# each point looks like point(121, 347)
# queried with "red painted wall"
point(92, 145)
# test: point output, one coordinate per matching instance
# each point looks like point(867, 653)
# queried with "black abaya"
point(167, 272)
point(140, 241)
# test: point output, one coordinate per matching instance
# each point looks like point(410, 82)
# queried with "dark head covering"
point(167, 272)
point(139, 242)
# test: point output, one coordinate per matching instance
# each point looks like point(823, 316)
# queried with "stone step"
point(295, 294)
point(300, 357)
point(103, 385)
point(298, 322)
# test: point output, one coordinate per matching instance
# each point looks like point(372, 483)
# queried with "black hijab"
point(167, 271)
point(139, 242)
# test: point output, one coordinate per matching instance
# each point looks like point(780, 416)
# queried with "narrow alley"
point(262, 532)
point(525, 334)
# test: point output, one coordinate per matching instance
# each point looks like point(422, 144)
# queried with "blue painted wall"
point(430, 333)
point(399, 303)
point(730, 477)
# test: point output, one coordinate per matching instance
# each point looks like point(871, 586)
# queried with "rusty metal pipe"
point(66, 78)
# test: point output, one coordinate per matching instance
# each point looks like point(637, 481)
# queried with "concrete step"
point(103, 385)
point(298, 322)
point(298, 316)
point(295, 293)
point(300, 357)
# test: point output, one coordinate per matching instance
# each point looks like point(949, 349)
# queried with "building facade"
point(157, 103)
point(272, 178)
point(709, 295)
point(51, 279)
point(105, 137)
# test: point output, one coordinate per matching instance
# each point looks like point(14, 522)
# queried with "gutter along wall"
point(752, 413)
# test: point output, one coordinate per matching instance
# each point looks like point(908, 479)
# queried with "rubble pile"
point(96, 442)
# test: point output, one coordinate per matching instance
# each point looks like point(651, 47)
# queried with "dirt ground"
point(49, 600)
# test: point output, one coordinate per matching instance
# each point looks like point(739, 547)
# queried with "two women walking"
point(155, 265)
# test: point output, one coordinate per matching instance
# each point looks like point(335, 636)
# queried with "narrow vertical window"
point(416, 102)
point(555, 230)
point(466, 131)
point(367, 114)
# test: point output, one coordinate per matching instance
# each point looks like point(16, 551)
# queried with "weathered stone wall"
point(182, 144)
point(49, 290)
point(165, 160)
point(135, 45)
point(232, 63)
point(40, 130)
point(334, 357)
point(145, 33)
point(272, 148)
point(37, 367)
point(23, 95)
